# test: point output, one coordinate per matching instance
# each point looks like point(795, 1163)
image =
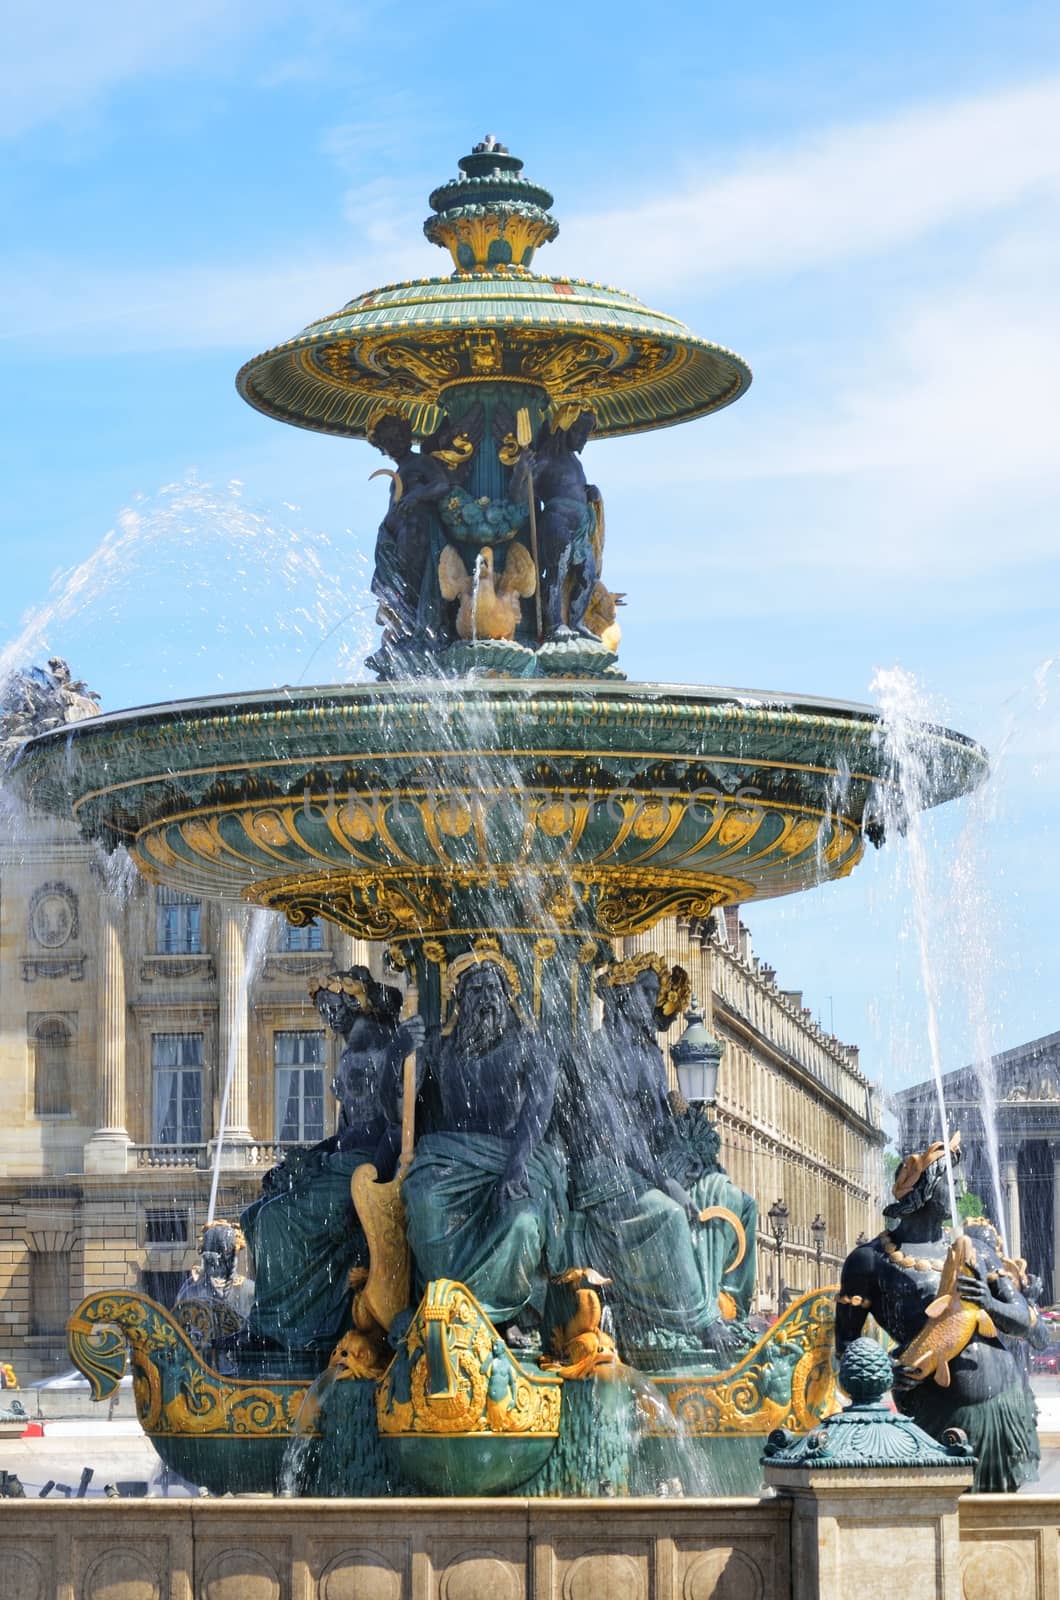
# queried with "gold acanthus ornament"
point(453, 1374)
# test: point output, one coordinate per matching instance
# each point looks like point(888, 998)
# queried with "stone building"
point(122, 1007)
point(1011, 1108)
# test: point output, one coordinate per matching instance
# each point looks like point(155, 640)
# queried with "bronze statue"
point(36, 700)
point(409, 538)
point(953, 1364)
point(632, 1219)
point(485, 1194)
point(214, 1301)
point(567, 525)
point(303, 1232)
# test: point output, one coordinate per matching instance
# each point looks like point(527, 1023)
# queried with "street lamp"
point(818, 1227)
point(778, 1215)
point(697, 1057)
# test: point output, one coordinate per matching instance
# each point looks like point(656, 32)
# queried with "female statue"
point(303, 1231)
point(896, 1277)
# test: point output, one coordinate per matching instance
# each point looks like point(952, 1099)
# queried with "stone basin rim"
point(287, 696)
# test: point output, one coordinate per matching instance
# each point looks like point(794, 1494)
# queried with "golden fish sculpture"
point(952, 1323)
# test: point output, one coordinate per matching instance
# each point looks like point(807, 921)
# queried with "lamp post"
point(697, 1057)
point(778, 1215)
point(818, 1227)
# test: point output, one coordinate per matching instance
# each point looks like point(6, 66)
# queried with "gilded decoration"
point(787, 1380)
point(582, 1346)
point(675, 986)
point(176, 1393)
point(382, 905)
point(453, 1374)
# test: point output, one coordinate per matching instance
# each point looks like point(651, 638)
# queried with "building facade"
point(125, 1008)
point(1008, 1116)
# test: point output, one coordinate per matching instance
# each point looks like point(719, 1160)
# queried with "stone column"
point(233, 1050)
point(1056, 1218)
point(107, 1150)
point(1011, 1195)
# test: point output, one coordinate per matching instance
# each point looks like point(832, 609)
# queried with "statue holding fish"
point(955, 1309)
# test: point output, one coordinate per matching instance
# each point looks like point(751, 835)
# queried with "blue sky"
point(861, 200)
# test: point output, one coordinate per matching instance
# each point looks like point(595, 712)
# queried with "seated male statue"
point(973, 1380)
point(485, 1195)
point(632, 1220)
point(303, 1231)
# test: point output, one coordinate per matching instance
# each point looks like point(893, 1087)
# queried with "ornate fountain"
point(551, 1273)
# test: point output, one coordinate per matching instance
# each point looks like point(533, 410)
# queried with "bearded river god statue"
point(955, 1311)
point(486, 1194)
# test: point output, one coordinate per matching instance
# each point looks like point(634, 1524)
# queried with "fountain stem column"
point(1056, 1220)
point(107, 1150)
point(1011, 1193)
point(234, 1031)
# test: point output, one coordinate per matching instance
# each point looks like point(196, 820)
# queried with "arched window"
point(51, 1040)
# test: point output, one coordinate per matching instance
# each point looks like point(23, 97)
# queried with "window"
point(311, 937)
point(49, 1292)
point(176, 1068)
point(162, 1287)
point(299, 1061)
point(179, 926)
point(50, 1041)
point(163, 1225)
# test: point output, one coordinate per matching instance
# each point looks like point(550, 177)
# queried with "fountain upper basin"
point(604, 804)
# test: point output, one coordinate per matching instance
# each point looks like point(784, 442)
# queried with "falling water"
point(167, 572)
point(258, 929)
point(476, 586)
point(908, 787)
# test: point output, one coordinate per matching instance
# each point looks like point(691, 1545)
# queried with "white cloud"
point(242, 307)
point(60, 57)
point(851, 192)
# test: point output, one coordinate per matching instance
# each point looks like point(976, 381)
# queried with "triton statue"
point(567, 524)
point(36, 700)
point(409, 539)
point(952, 1366)
point(302, 1231)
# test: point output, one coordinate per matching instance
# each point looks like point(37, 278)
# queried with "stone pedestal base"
point(107, 1153)
point(873, 1532)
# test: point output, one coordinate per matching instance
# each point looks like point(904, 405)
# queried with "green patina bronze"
point(500, 809)
point(868, 1433)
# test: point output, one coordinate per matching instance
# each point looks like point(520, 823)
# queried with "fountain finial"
point(491, 219)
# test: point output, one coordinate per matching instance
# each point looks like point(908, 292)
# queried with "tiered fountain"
point(499, 809)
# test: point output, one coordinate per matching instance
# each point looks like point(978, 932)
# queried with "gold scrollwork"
point(385, 902)
point(625, 908)
point(175, 1391)
point(373, 905)
point(454, 1375)
point(786, 1380)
